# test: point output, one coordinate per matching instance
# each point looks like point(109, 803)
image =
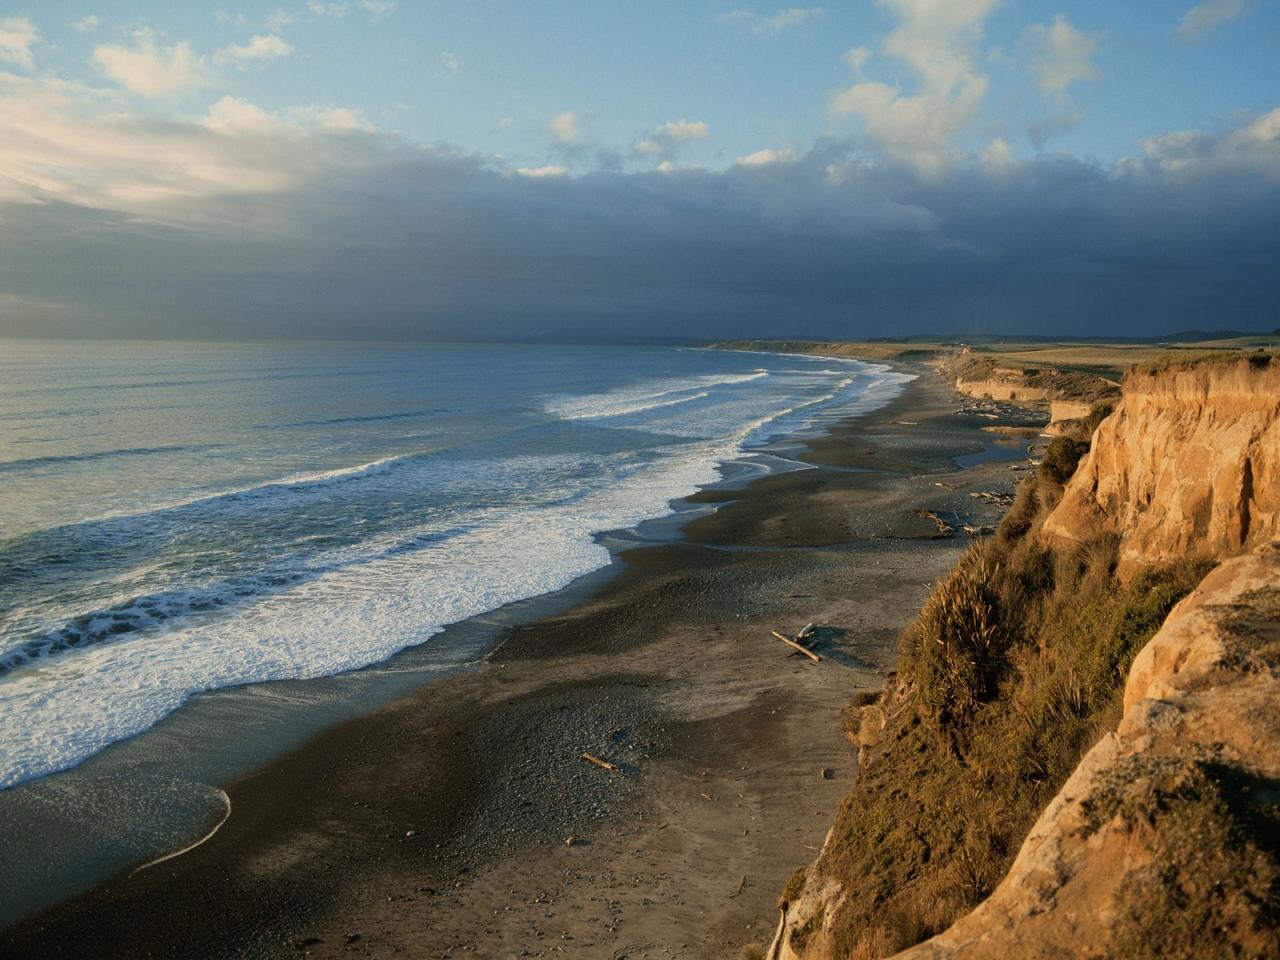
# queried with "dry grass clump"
point(1061, 457)
point(962, 636)
point(1012, 670)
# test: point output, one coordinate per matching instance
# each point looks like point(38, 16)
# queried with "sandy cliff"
point(1154, 845)
point(1162, 842)
point(1069, 395)
point(1187, 465)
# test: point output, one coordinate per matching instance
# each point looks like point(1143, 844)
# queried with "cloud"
point(17, 36)
point(506, 123)
point(551, 170)
point(1253, 146)
point(680, 131)
point(450, 61)
point(260, 48)
point(150, 70)
point(1206, 17)
point(766, 157)
point(238, 221)
point(666, 141)
point(323, 9)
point(378, 8)
point(773, 23)
point(86, 24)
point(1062, 55)
point(564, 127)
point(277, 21)
point(332, 118)
point(935, 41)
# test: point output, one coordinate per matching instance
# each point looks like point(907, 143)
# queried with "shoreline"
point(91, 809)
point(412, 824)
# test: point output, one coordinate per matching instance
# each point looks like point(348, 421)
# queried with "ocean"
point(182, 517)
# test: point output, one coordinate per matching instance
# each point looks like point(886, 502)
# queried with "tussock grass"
point(1013, 669)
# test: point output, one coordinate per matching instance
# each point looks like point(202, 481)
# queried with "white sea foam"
point(666, 393)
point(293, 483)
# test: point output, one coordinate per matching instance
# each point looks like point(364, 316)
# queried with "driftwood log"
point(602, 764)
point(798, 646)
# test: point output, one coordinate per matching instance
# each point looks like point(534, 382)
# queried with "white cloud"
point(225, 16)
point(450, 61)
point(1254, 146)
point(935, 40)
point(378, 8)
point(259, 49)
point(667, 140)
point(857, 58)
point(150, 70)
point(506, 123)
point(67, 142)
point(772, 23)
point(538, 173)
point(678, 131)
point(279, 20)
point(1204, 17)
point(564, 127)
point(766, 157)
point(323, 9)
point(17, 36)
point(332, 118)
point(231, 115)
point(1062, 55)
point(86, 24)
point(998, 155)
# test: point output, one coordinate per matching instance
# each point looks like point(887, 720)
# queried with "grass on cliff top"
point(1013, 669)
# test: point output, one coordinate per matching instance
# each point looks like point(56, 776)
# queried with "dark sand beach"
point(461, 821)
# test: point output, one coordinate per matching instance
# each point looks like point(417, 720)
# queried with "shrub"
point(1061, 457)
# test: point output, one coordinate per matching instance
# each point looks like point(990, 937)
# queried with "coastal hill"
point(1077, 754)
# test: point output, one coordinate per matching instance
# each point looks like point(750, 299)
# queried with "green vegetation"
point(1013, 669)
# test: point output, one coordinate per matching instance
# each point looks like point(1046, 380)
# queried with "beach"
point(461, 820)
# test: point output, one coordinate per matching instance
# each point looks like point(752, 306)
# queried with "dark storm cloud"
point(370, 237)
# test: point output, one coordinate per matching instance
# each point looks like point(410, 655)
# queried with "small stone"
point(410, 834)
point(828, 773)
point(352, 937)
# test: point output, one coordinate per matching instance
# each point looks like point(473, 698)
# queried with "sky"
point(476, 168)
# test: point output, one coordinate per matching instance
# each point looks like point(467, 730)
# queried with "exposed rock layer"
point(1188, 465)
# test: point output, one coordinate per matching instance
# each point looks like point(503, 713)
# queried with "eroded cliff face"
point(1162, 842)
point(1188, 465)
point(1157, 844)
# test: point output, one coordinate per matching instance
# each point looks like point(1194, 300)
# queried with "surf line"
point(226, 800)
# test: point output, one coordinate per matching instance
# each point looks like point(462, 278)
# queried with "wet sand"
point(461, 821)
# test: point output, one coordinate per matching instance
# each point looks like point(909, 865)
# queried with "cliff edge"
point(1188, 464)
point(1080, 752)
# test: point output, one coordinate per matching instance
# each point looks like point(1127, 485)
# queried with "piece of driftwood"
point(805, 631)
point(602, 764)
point(944, 528)
point(803, 649)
